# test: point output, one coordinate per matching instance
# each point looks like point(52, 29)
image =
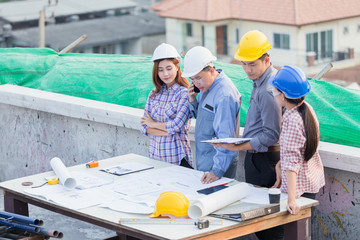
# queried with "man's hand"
point(191, 93)
point(228, 146)
point(209, 177)
point(278, 175)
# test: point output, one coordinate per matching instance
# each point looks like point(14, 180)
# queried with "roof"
point(104, 30)
point(198, 10)
point(18, 11)
point(289, 12)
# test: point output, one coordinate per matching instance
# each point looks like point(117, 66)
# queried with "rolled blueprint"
point(62, 173)
point(217, 200)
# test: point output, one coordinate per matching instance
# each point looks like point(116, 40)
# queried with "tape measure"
point(200, 223)
point(52, 181)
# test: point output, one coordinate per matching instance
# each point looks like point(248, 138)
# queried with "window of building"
point(346, 30)
point(237, 36)
point(78, 51)
point(321, 43)
point(189, 32)
point(281, 41)
point(203, 35)
point(358, 28)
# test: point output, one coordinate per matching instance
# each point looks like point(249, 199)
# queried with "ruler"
point(177, 221)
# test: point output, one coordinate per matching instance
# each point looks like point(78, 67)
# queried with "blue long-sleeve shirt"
point(264, 116)
point(216, 112)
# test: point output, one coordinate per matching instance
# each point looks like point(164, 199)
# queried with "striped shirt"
point(172, 107)
point(310, 174)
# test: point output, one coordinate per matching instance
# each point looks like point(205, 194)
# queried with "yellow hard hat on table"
point(252, 46)
point(171, 202)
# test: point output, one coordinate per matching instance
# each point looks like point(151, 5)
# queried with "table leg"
point(300, 229)
point(11, 204)
point(126, 237)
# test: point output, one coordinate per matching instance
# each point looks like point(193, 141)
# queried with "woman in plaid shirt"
point(167, 117)
point(302, 172)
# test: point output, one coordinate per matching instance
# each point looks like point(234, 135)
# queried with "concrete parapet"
point(36, 126)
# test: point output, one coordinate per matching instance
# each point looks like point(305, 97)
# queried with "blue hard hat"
point(292, 81)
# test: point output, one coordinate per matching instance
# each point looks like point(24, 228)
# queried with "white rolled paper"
point(217, 200)
point(62, 173)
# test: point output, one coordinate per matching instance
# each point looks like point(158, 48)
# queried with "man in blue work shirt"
point(263, 119)
point(216, 111)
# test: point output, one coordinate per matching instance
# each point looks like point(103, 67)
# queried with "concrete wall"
point(36, 126)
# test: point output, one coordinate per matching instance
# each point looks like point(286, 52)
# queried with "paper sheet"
point(73, 198)
point(135, 187)
point(62, 173)
point(217, 200)
point(86, 180)
point(122, 205)
point(179, 177)
point(260, 196)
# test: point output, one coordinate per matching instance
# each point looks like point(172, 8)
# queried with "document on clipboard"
point(126, 168)
point(228, 140)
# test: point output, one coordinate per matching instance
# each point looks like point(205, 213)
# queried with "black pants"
point(260, 168)
point(260, 171)
point(309, 195)
point(185, 163)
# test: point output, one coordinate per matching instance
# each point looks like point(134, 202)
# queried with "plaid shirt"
point(310, 174)
point(172, 107)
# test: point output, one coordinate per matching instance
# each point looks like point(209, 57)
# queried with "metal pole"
point(74, 44)
point(42, 29)
point(323, 71)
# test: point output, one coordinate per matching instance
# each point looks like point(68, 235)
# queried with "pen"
point(220, 185)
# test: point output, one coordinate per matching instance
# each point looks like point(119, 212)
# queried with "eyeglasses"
point(275, 92)
point(195, 80)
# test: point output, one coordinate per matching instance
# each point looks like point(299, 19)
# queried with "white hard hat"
point(196, 59)
point(164, 51)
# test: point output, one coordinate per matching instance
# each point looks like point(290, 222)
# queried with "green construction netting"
point(126, 80)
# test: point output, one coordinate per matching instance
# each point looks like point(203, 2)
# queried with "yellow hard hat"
point(252, 46)
point(171, 202)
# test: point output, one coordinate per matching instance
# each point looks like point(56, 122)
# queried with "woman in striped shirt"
point(302, 172)
point(167, 117)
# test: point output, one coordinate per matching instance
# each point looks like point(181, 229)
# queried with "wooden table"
point(16, 201)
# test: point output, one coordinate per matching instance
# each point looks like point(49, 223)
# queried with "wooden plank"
point(255, 226)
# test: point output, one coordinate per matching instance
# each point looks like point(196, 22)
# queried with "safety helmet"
point(252, 46)
point(195, 60)
point(292, 81)
point(165, 51)
point(171, 202)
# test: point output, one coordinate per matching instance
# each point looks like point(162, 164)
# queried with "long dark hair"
point(311, 127)
point(157, 81)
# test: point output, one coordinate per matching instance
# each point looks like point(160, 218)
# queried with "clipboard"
point(228, 140)
point(126, 168)
point(245, 211)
